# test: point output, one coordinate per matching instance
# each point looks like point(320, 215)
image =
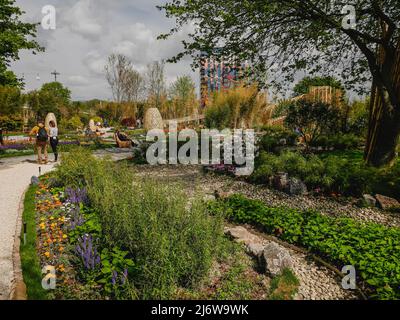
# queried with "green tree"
point(302, 87)
point(50, 98)
point(60, 93)
point(11, 100)
point(183, 96)
point(15, 35)
point(312, 35)
point(312, 119)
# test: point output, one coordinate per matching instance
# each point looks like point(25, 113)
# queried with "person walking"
point(42, 136)
point(53, 131)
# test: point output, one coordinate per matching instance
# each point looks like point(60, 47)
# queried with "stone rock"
point(369, 200)
point(296, 187)
point(35, 181)
point(209, 197)
point(283, 142)
point(153, 120)
point(275, 259)
point(387, 203)
point(92, 125)
point(280, 181)
point(50, 117)
point(255, 249)
point(241, 235)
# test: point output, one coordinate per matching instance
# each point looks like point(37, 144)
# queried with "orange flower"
point(47, 254)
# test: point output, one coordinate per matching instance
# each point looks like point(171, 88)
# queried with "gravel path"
point(209, 183)
point(15, 175)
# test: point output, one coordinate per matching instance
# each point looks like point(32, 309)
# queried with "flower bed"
point(109, 238)
point(69, 239)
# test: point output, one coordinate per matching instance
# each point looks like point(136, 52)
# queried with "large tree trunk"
point(384, 122)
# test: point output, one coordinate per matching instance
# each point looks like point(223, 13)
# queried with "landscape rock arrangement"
point(316, 282)
point(387, 203)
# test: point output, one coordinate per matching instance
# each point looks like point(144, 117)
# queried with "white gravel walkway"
point(15, 176)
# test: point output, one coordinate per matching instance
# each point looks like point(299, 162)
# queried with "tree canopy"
point(302, 87)
point(15, 35)
point(284, 36)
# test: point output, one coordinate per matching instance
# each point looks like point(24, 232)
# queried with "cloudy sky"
point(87, 32)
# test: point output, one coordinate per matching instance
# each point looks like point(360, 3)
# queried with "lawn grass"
point(31, 269)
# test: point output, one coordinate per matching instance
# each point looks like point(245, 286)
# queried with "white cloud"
point(95, 62)
point(77, 81)
point(88, 31)
point(85, 19)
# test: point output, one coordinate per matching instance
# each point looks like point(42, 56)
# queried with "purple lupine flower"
point(77, 196)
point(124, 276)
point(77, 218)
point(13, 147)
point(114, 277)
point(87, 251)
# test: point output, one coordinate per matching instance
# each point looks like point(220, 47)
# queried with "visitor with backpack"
point(42, 137)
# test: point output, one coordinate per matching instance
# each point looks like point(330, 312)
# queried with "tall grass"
point(172, 241)
point(236, 108)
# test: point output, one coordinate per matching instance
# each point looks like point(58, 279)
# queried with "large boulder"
point(256, 249)
point(50, 117)
point(153, 120)
point(387, 203)
point(296, 187)
point(242, 235)
point(369, 200)
point(275, 259)
point(280, 181)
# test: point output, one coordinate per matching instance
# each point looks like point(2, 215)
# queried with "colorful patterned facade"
point(218, 75)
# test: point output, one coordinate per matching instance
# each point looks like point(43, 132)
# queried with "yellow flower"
point(47, 254)
point(65, 236)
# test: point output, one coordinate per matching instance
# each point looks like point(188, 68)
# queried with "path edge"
point(18, 287)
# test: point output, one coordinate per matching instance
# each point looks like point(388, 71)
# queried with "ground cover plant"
point(373, 249)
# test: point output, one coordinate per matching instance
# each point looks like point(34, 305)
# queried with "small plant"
point(285, 286)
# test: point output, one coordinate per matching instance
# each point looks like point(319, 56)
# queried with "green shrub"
point(171, 243)
point(373, 249)
point(313, 119)
point(272, 138)
point(75, 166)
point(339, 173)
point(337, 142)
